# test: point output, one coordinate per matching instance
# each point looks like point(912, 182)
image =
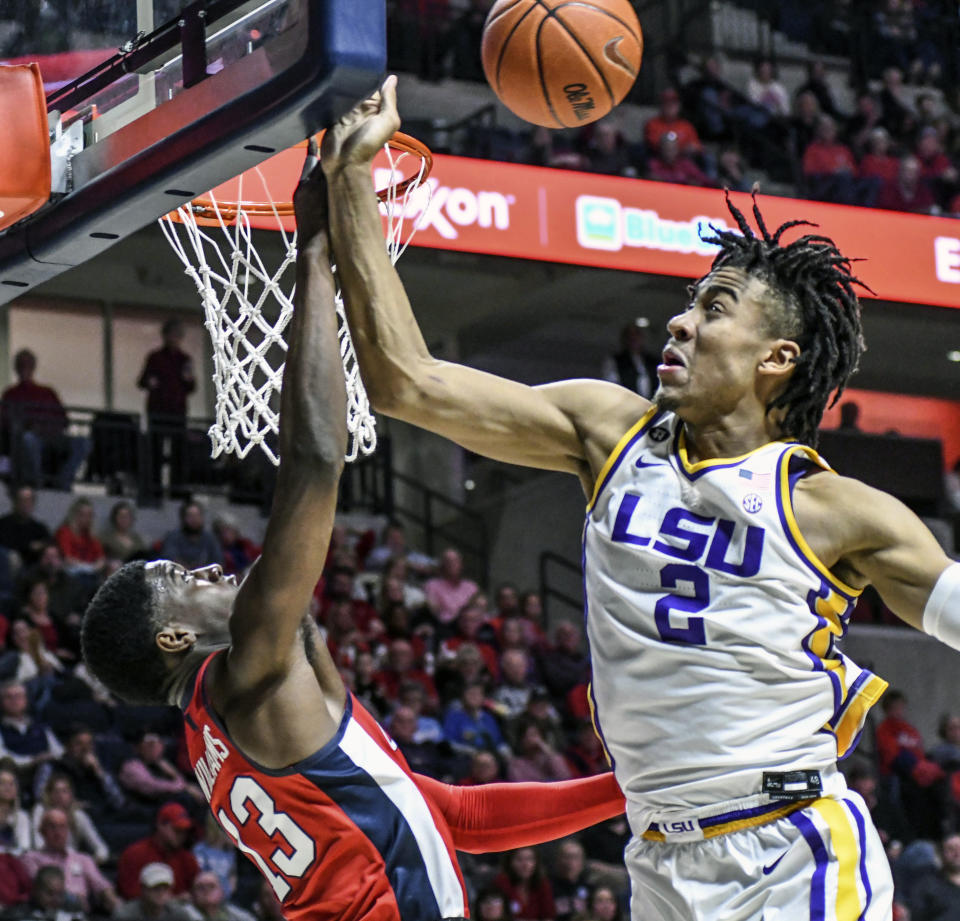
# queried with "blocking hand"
point(361, 133)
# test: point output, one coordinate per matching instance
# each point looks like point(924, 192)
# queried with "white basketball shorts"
point(824, 862)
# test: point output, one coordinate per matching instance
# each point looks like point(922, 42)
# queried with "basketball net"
point(248, 303)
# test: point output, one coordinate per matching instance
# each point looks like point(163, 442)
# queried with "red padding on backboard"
point(24, 143)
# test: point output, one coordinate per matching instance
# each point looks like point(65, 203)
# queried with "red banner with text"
point(551, 215)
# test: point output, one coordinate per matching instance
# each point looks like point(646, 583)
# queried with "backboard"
point(153, 102)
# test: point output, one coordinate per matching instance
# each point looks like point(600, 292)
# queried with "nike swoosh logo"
point(613, 54)
point(641, 463)
point(767, 870)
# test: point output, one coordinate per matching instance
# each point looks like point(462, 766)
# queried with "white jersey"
point(713, 628)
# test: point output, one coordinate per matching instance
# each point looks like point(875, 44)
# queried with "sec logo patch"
point(752, 503)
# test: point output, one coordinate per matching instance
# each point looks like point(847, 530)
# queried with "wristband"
point(941, 616)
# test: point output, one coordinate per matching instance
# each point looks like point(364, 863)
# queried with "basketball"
point(561, 63)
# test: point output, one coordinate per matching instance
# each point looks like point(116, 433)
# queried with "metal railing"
point(561, 587)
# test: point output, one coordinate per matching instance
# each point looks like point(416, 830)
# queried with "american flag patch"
point(757, 480)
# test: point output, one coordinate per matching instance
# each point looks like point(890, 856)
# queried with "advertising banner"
point(552, 215)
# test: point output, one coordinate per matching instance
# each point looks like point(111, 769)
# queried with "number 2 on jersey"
point(693, 633)
point(299, 852)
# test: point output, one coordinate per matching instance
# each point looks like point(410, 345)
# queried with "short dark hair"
point(811, 281)
point(119, 637)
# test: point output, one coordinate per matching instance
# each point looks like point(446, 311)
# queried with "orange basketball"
point(561, 63)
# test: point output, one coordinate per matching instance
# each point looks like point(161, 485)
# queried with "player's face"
point(201, 598)
point(716, 345)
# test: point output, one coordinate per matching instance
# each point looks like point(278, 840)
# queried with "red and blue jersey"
point(344, 835)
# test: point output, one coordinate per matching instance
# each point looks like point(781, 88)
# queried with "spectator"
point(20, 531)
point(491, 905)
point(829, 170)
point(671, 165)
point(732, 171)
point(887, 816)
point(937, 897)
point(82, 553)
point(571, 891)
point(765, 90)
point(156, 901)
point(15, 831)
point(507, 603)
point(901, 752)
point(472, 627)
point(168, 844)
point(909, 192)
point(428, 729)
point(484, 768)
point(668, 120)
point(400, 668)
point(449, 591)
point(83, 835)
point(35, 426)
point(49, 900)
point(267, 907)
point(119, 539)
point(607, 152)
point(816, 84)
point(26, 741)
point(604, 905)
point(585, 755)
point(897, 114)
point(34, 660)
point(878, 167)
point(93, 784)
point(392, 587)
point(239, 552)
point(803, 124)
point(217, 853)
point(208, 902)
point(427, 757)
point(513, 635)
point(536, 759)
point(634, 366)
point(14, 880)
point(192, 544)
point(149, 777)
point(515, 689)
point(935, 167)
point(36, 614)
point(894, 33)
point(946, 753)
point(867, 118)
point(525, 886)
point(168, 378)
point(83, 879)
point(714, 101)
point(341, 588)
point(366, 688)
point(67, 598)
point(531, 612)
point(470, 727)
point(392, 547)
point(565, 664)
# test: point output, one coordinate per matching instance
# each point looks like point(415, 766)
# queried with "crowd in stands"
point(899, 149)
point(100, 814)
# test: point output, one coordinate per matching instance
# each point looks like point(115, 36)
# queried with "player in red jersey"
point(304, 781)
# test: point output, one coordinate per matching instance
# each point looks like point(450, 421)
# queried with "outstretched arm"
point(502, 816)
point(868, 537)
point(272, 602)
point(570, 426)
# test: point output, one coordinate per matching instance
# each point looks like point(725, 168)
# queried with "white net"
point(248, 304)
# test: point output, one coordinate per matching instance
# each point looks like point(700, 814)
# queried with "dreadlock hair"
point(118, 637)
point(813, 302)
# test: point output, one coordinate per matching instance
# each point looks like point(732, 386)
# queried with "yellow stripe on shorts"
point(847, 852)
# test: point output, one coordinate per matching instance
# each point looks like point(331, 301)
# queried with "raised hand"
point(361, 133)
point(310, 202)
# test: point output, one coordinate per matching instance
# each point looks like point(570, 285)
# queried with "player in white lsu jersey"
point(721, 556)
